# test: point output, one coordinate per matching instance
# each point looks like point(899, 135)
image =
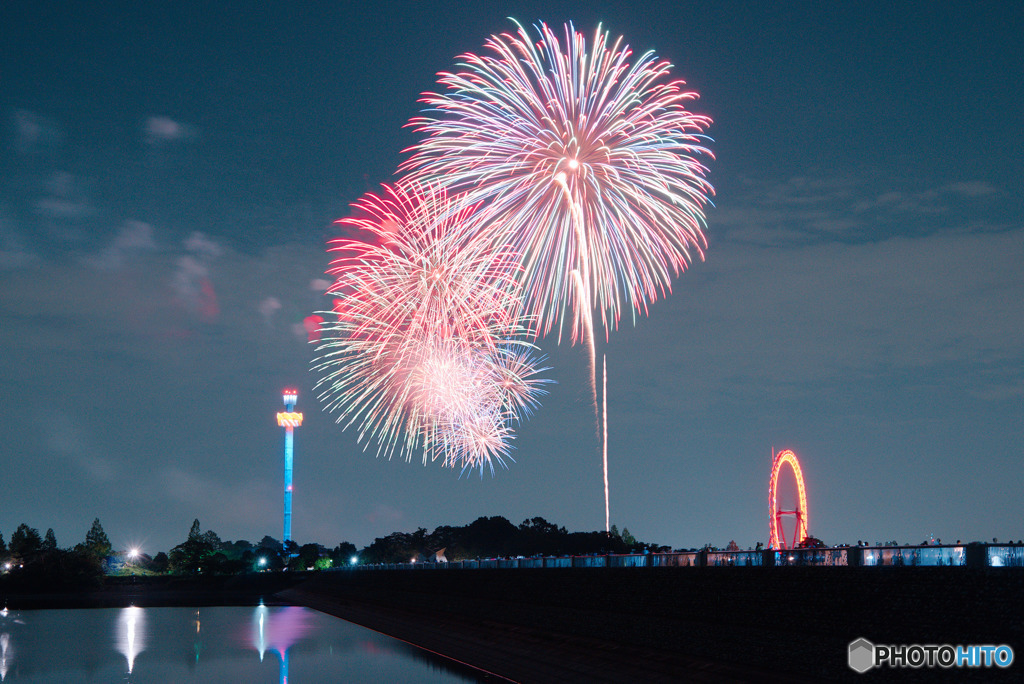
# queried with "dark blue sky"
point(169, 177)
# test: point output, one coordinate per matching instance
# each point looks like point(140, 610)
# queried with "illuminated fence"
point(1006, 556)
point(973, 555)
point(720, 559)
point(818, 557)
point(685, 559)
point(915, 555)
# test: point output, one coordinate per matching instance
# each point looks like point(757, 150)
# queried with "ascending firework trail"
point(585, 164)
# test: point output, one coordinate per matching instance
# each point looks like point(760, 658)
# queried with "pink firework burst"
point(426, 331)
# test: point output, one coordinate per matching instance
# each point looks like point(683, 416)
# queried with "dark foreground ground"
point(674, 624)
point(637, 624)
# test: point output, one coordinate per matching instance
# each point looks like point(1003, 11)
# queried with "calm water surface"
point(222, 644)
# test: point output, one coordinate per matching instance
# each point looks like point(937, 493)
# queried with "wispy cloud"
point(929, 201)
point(804, 316)
point(13, 251)
point(65, 198)
point(268, 307)
point(162, 129)
point(203, 247)
point(132, 239)
point(809, 210)
point(382, 516)
point(972, 188)
point(192, 281)
point(227, 502)
point(35, 133)
point(65, 437)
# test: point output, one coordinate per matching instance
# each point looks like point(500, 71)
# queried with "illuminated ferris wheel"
point(775, 514)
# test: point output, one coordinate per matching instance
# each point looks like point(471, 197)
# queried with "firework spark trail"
point(530, 123)
point(427, 345)
point(581, 279)
point(604, 441)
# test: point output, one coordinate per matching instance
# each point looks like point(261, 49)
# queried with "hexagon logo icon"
point(862, 655)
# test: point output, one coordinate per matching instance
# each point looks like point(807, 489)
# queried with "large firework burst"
point(426, 346)
point(586, 164)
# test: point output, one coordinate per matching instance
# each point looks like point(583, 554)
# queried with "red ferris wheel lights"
point(778, 535)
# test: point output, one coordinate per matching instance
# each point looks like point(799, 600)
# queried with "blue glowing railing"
point(1006, 556)
point(590, 561)
point(630, 561)
point(818, 557)
point(683, 559)
point(966, 555)
point(733, 558)
point(914, 555)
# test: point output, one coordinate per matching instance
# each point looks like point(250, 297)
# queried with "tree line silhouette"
point(31, 561)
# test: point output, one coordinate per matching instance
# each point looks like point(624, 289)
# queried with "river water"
point(220, 644)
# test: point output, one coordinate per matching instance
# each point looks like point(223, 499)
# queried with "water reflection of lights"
point(6, 651)
point(279, 630)
point(5, 644)
point(261, 638)
point(197, 645)
point(131, 634)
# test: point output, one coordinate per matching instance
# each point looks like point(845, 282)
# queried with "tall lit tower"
point(289, 420)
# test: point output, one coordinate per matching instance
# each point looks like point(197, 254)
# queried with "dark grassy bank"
point(153, 591)
point(669, 624)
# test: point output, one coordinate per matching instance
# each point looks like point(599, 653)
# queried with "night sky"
point(169, 177)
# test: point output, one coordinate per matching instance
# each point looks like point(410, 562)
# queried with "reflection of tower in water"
point(197, 643)
point(279, 630)
point(261, 618)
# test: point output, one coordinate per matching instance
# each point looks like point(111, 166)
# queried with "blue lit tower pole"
point(289, 420)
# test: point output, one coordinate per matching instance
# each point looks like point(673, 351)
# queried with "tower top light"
point(290, 396)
